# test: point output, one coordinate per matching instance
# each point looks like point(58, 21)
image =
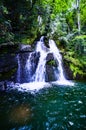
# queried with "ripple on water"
point(52, 108)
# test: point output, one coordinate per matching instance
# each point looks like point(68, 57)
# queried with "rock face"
point(14, 63)
point(34, 61)
point(27, 68)
point(67, 71)
point(51, 65)
point(9, 61)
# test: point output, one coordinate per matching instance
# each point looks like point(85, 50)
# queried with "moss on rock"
point(52, 63)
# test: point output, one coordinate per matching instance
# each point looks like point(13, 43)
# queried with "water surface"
point(57, 107)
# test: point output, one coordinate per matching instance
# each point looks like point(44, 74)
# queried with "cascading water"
point(57, 56)
point(35, 70)
point(28, 67)
point(19, 69)
point(39, 75)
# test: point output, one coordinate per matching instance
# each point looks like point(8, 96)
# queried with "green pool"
point(57, 107)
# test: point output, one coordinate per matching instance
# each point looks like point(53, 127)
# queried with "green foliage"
point(24, 39)
point(23, 15)
point(77, 64)
point(79, 43)
point(19, 23)
point(83, 14)
point(76, 71)
point(52, 63)
point(27, 40)
point(75, 55)
point(80, 37)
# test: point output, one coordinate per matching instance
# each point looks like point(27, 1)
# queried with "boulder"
point(51, 67)
point(67, 70)
point(46, 41)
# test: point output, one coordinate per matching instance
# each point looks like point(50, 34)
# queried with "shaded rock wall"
point(51, 66)
point(9, 61)
point(27, 69)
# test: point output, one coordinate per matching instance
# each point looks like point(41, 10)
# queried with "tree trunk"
point(78, 15)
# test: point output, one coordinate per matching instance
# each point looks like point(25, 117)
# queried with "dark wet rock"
point(51, 61)
point(49, 57)
point(68, 73)
point(9, 60)
point(50, 73)
point(46, 41)
point(51, 66)
point(26, 74)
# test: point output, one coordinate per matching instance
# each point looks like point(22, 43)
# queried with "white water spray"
point(58, 58)
point(28, 67)
point(19, 69)
point(39, 75)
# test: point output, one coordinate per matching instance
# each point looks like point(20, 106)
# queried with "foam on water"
point(31, 87)
point(36, 86)
point(64, 82)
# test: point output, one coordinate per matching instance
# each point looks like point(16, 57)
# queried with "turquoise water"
point(54, 108)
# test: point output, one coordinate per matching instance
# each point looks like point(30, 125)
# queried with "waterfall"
point(41, 71)
point(58, 57)
point(34, 68)
point(28, 68)
point(19, 69)
point(35, 72)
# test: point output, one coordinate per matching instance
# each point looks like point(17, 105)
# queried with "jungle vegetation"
point(64, 21)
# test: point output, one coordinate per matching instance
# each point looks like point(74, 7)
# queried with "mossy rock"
point(52, 63)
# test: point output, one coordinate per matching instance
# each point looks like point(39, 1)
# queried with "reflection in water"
point(20, 114)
